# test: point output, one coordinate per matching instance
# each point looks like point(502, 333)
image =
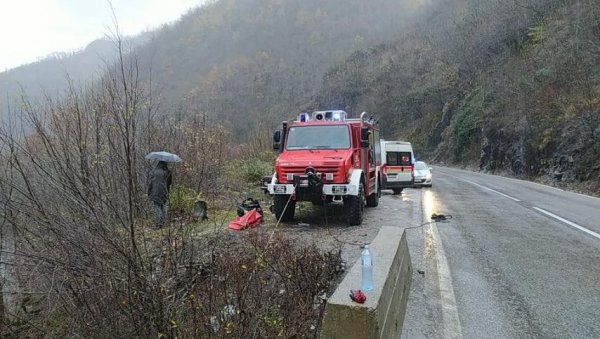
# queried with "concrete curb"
point(382, 315)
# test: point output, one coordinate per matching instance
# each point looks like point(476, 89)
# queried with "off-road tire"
point(279, 208)
point(397, 190)
point(373, 199)
point(354, 206)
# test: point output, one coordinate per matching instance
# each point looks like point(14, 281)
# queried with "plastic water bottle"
point(366, 261)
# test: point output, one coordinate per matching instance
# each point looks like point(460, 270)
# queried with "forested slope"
point(263, 60)
point(503, 86)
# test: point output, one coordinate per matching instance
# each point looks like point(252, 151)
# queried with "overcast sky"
point(32, 29)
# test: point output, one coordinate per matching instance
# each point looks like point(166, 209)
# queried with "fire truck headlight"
point(290, 176)
point(329, 176)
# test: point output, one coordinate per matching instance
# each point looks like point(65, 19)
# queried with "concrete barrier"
point(382, 315)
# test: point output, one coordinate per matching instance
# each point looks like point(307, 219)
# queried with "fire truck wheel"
point(354, 206)
point(397, 190)
point(281, 212)
point(373, 199)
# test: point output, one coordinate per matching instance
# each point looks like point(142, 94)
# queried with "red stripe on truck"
point(398, 168)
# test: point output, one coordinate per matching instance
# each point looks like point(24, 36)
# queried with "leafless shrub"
point(76, 242)
point(255, 286)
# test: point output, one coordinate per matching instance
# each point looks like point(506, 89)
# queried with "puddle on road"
point(436, 299)
point(428, 203)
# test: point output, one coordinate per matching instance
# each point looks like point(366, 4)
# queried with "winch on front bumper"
point(327, 189)
point(311, 185)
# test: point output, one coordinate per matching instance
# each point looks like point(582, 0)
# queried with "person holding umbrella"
point(159, 184)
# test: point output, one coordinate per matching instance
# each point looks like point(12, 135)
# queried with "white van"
point(397, 166)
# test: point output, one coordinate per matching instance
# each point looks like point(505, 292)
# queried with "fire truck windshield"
point(318, 137)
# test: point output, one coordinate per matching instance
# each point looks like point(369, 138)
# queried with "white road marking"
point(492, 190)
point(433, 242)
point(570, 223)
point(452, 327)
point(522, 181)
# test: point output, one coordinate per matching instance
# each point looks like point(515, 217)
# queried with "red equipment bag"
point(250, 219)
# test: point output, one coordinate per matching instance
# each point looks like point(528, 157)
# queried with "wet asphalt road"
point(518, 260)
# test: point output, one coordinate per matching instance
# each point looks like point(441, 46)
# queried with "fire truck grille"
point(318, 169)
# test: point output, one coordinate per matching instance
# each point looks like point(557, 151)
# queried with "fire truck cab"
point(325, 157)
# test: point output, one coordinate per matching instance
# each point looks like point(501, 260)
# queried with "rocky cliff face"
point(568, 157)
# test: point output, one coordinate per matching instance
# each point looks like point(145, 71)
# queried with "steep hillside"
point(499, 86)
point(503, 86)
point(233, 60)
point(262, 60)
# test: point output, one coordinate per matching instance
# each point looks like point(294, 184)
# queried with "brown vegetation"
point(77, 252)
point(509, 86)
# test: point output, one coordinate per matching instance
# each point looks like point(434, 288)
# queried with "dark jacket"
point(160, 181)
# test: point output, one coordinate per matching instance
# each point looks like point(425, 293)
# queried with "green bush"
point(468, 122)
point(538, 34)
point(253, 170)
point(181, 199)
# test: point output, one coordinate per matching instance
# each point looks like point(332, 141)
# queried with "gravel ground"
point(326, 225)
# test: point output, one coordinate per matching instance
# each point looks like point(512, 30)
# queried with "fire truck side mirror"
point(364, 137)
point(276, 140)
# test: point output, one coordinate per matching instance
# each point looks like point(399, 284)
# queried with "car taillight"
point(412, 170)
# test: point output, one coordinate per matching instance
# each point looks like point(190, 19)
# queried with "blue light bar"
point(303, 117)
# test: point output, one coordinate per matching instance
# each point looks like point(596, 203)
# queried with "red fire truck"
point(325, 157)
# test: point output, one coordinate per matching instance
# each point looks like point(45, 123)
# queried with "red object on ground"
point(358, 296)
point(251, 219)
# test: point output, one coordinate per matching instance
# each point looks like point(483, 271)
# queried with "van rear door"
point(399, 166)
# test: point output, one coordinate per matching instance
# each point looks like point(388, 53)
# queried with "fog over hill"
point(264, 60)
point(227, 57)
point(50, 77)
point(49, 74)
point(504, 86)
